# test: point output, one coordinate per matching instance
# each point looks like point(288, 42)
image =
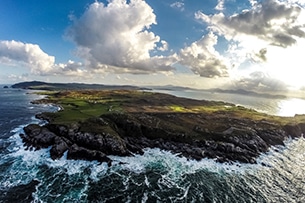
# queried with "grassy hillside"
point(81, 105)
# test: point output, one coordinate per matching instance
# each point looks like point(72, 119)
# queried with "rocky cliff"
point(188, 134)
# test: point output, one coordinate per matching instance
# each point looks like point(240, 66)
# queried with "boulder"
point(76, 152)
point(59, 148)
point(37, 136)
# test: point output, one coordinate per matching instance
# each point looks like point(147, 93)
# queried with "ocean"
point(155, 176)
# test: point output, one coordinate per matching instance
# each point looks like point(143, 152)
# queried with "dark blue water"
point(156, 176)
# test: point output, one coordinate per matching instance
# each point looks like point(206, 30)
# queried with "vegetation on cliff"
point(80, 105)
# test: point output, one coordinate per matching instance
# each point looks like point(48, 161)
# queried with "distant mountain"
point(170, 88)
point(37, 85)
point(29, 85)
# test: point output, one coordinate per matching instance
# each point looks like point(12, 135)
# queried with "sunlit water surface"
point(281, 107)
point(156, 176)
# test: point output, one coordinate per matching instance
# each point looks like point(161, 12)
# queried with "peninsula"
point(95, 123)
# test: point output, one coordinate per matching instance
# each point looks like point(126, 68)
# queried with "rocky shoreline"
point(124, 134)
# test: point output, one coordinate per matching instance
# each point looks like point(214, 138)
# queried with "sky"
point(229, 44)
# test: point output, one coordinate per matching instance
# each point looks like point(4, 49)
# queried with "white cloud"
point(178, 5)
point(258, 82)
point(272, 21)
point(71, 68)
point(202, 58)
point(12, 52)
point(13, 77)
point(260, 56)
point(164, 46)
point(299, 2)
point(253, 2)
point(220, 5)
point(268, 37)
point(16, 53)
point(116, 37)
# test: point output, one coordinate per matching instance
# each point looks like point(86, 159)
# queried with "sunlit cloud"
point(116, 37)
point(21, 77)
point(266, 37)
point(272, 21)
point(299, 2)
point(202, 58)
point(30, 55)
point(220, 5)
point(164, 46)
point(259, 82)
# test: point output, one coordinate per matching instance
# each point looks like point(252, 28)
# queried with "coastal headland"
point(95, 123)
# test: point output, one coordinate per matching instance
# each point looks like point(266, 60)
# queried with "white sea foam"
point(175, 165)
point(151, 159)
point(293, 150)
point(172, 168)
point(18, 129)
point(283, 177)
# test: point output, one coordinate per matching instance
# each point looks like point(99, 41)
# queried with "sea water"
point(155, 176)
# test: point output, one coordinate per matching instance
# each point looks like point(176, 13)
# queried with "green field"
point(84, 104)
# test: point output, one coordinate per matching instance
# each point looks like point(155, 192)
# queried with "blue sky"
point(229, 44)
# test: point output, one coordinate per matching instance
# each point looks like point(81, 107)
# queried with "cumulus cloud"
point(27, 54)
point(116, 37)
point(260, 56)
point(260, 82)
point(164, 46)
point(267, 37)
point(31, 56)
point(22, 77)
point(71, 68)
point(272, 21)
point(202, 58)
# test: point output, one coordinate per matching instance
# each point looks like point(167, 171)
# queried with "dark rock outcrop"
point(38, 137)
point(76, 152)
point(186, 134)
point(60, 146)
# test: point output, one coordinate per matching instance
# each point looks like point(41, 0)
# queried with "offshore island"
point(97, 121)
